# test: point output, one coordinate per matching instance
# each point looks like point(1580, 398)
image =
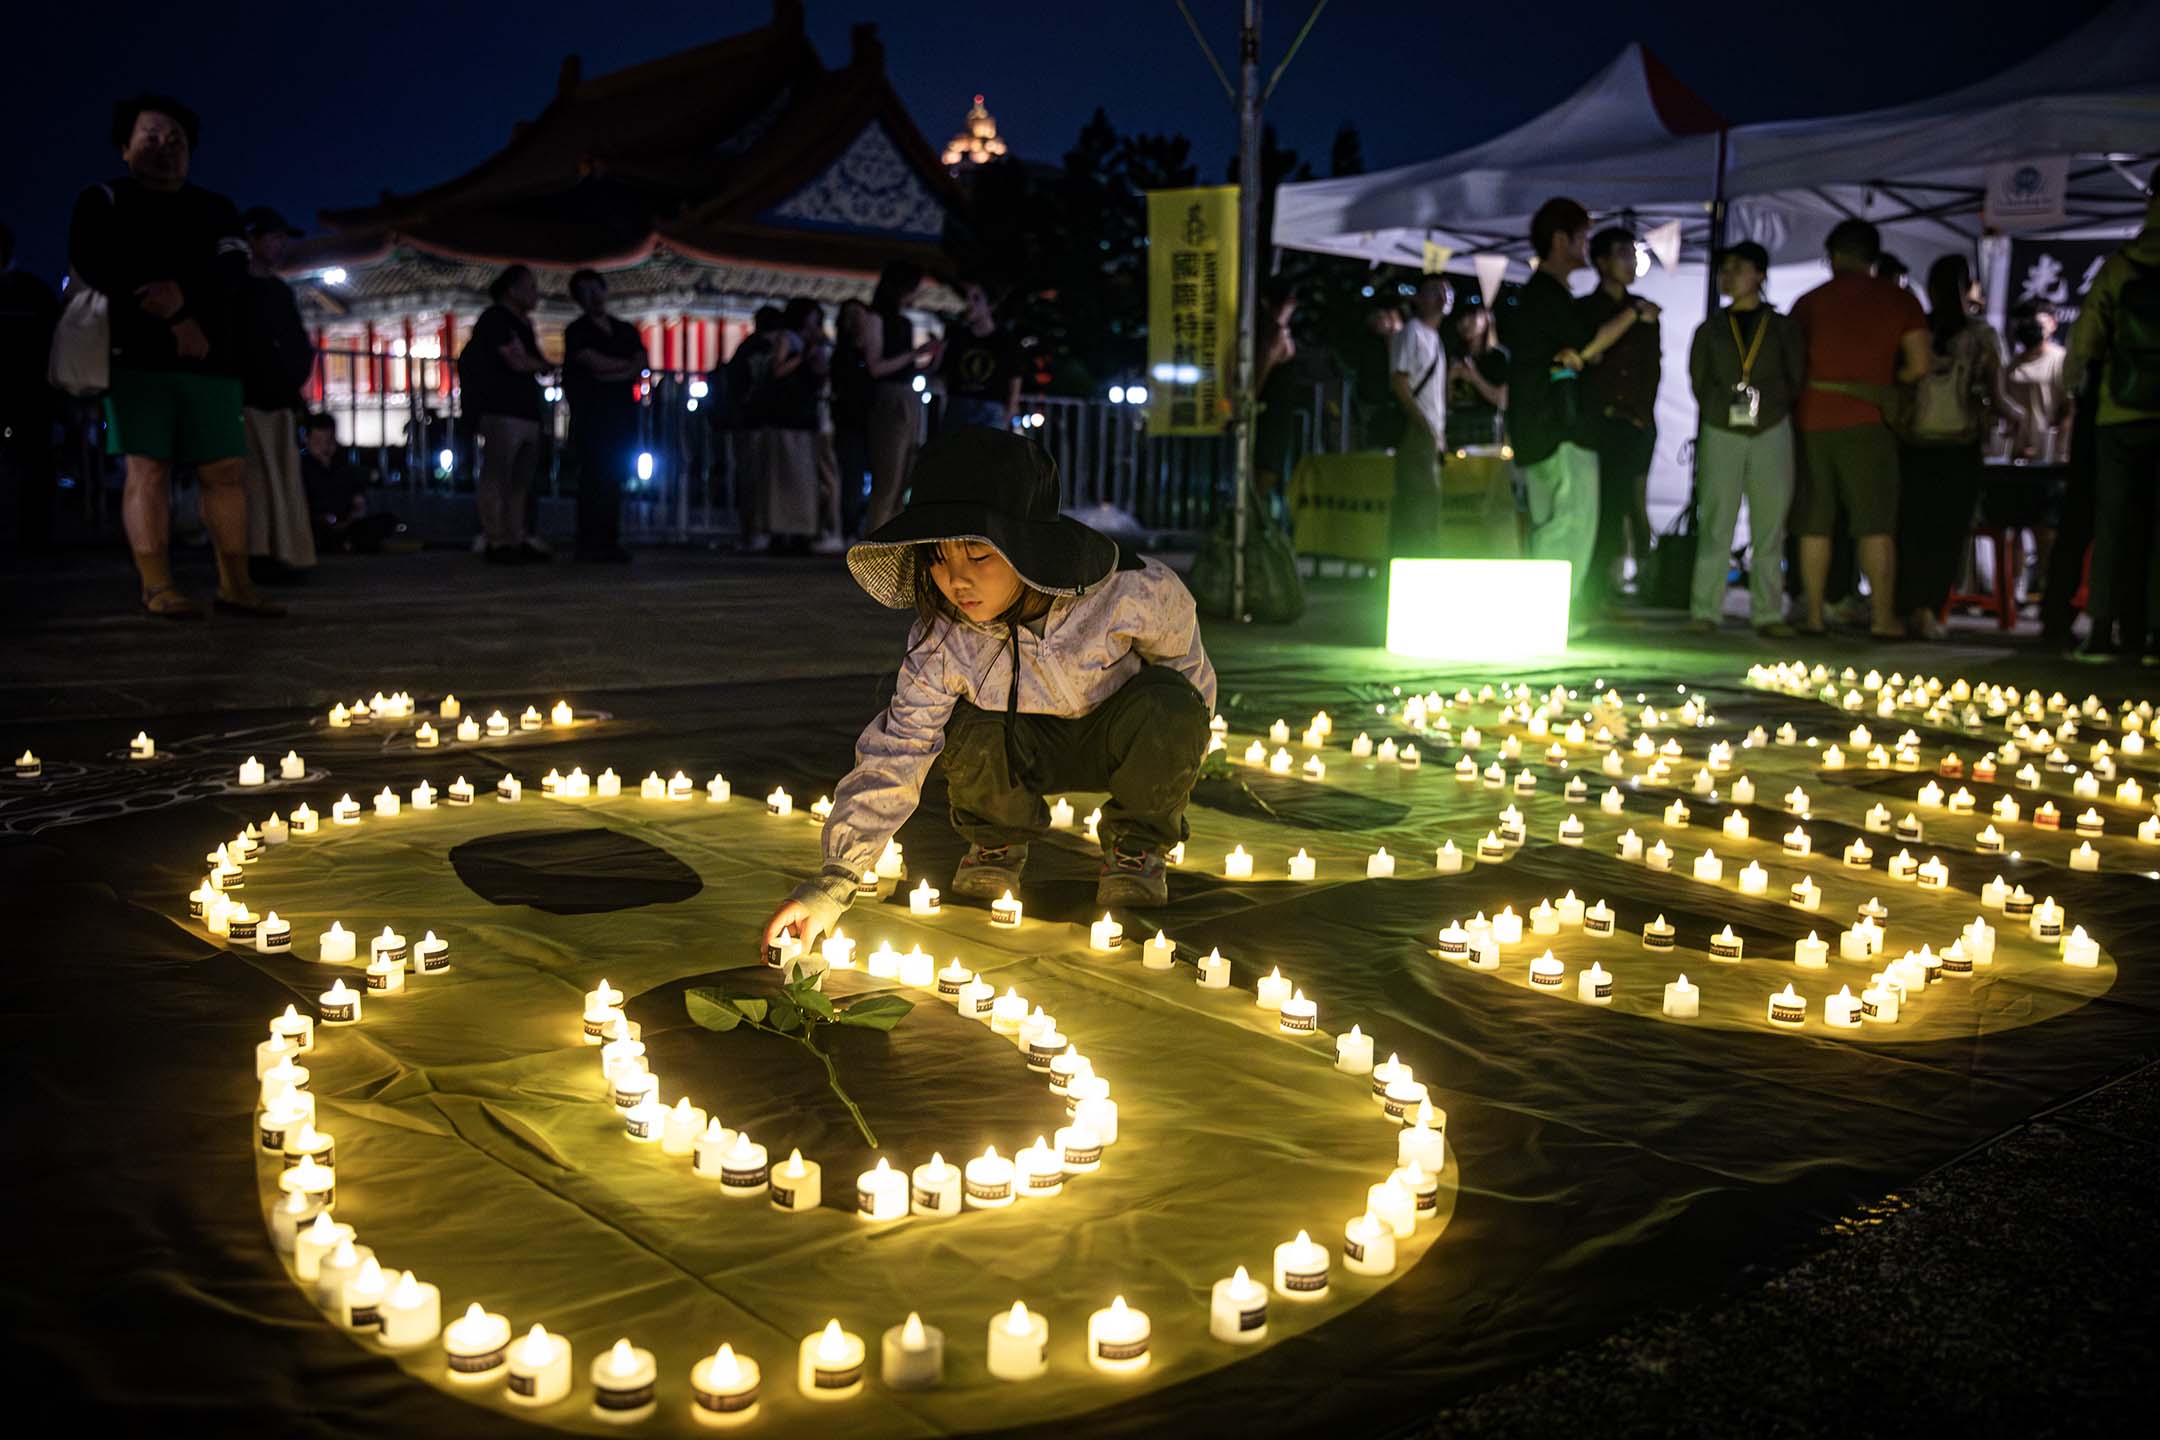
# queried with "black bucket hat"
point(987, 485)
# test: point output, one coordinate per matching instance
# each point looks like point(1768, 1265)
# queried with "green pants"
point(1144, 745)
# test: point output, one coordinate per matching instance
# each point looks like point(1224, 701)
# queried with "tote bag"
point(81, 360)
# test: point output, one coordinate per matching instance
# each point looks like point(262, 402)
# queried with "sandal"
point(253, 605)
point(182, 608)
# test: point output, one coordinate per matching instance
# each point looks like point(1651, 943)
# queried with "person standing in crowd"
point(850, 391)
point(794, 390)
point(499, 374)
point(337, 495)
point(886, 340)
point(602, 360)
point(1550, 343)
point(1954, 406)
point(1621, 419)
point(1415, 360)
point(1477, 381)
point(1379, 413)
point(981, 369)
point(1864, 335)
point(1746, 366)
point(746, 391)
point(280, 357)
point(172, 263)
point(2117, 340)
point(2035, 382)
point(1275, 430)
point(29, 407)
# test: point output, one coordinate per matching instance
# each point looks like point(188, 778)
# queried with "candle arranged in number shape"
point(830, 1364)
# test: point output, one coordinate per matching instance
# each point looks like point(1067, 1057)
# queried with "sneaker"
point(828, 545)
point(1131, 878)
point(988, 871)
point(2096, 652)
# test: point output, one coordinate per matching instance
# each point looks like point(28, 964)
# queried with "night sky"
point(307, 106)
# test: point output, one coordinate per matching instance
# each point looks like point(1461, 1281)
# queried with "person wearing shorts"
point(1864, 335)
point(172, 263)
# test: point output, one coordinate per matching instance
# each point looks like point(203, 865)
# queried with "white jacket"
point(1089, 646)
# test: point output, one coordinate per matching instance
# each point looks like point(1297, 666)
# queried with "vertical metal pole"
point(1717, 231)
point(1248, 277)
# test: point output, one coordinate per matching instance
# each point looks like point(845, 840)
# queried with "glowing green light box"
point(1478, 609)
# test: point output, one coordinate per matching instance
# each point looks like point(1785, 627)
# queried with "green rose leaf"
point(752, 1010)
point(875, 1012)
point(711, 1009)
point(812, 1002)
point(782, 1015)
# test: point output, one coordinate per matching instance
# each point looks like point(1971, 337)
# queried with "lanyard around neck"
point(1752, 348)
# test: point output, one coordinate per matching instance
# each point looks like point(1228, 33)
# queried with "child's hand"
point(792, 917)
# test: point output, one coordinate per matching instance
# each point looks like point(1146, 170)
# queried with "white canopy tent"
point(1635, 145)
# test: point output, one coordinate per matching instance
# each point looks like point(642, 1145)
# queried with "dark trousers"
point(603, 451)
point(1938, 486)
point(851, 448)
point(2074, 532)
point(2126, 529)
point(27, 484)
point(1623, 457)
point(1144, 745)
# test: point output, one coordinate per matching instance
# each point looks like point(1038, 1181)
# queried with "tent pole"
point(1717, 228)
point(1241, 416)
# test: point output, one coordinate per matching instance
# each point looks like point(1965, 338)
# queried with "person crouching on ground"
point(1114, 690)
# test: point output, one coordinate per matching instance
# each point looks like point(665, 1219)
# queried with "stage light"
point(644, 465)
point(1117, 394)
point(699, 389)
point(447, 459)
point(335, 275)
point(1136, 395)
point(920, 384)
point(1478, 609)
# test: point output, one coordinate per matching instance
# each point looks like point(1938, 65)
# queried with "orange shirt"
point(1853, 325)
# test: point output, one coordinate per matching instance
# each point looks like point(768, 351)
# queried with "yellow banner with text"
point(1192, 309)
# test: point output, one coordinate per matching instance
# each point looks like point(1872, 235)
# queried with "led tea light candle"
point(1038, 1170)
point(1754, 880)
point(1271, 990)
point(1237, 865)
point(1507, 926)
point(1544, 919)
point(934, 1188)
point(538, 1368)
point(1214, 972)
point(917, 968)
point(1658, 935)
point(1788, 1008)
point(1385, 751)
point(976, 998)
point(988, 1181)
point(1019, 1344)
point(1612, 801)
point(1708, 868)
point(1629, 846)
point(1380, 865)
point(2080, 949)
point(1106, 934)
point(1447, 860)
point(273, 935)
point(1492, 847)
point(336, 1271)
point(337, 1005)
point(1298, 1015)
point(1725, 945)
point(1546, 972)
point(724, 1388)
point(1238, 1309)
point(680, 1128)
point(708, 1152)
point(412, 1313)
point(1158, 953)
point(2085, 857)
point(1594, 986)
point(1683, 1001)
point(1118, 1339)
point(923, 899)
point(315, 1241)
point(1008, 1012)
point(345, 811)
point(2046, 921)
point(745, 1170)
point(881, 1193)
point(623, 1377)
point(1301, 1268)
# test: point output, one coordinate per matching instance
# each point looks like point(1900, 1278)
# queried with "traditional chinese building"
point(703, 185)
point(977, 143)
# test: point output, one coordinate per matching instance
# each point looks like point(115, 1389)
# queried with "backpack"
point(1945, 405)
point(1274, 592)
point(2133, 359)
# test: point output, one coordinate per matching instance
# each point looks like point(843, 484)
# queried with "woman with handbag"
point(1954, 405)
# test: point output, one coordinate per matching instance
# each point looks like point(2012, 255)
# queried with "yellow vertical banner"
point(1192, 309)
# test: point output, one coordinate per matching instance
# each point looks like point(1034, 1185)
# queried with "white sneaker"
point(828, 545)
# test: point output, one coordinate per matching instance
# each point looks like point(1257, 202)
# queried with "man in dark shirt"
point(28, 405)
point(1621, 418)
point(498, 378)
point(1550, 342)
point(337, 495)
point(171, 261)
point(602, 359)
point(981, 369)
point(279, 359)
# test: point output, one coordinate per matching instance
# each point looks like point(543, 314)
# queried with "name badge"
point(1746, 408)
